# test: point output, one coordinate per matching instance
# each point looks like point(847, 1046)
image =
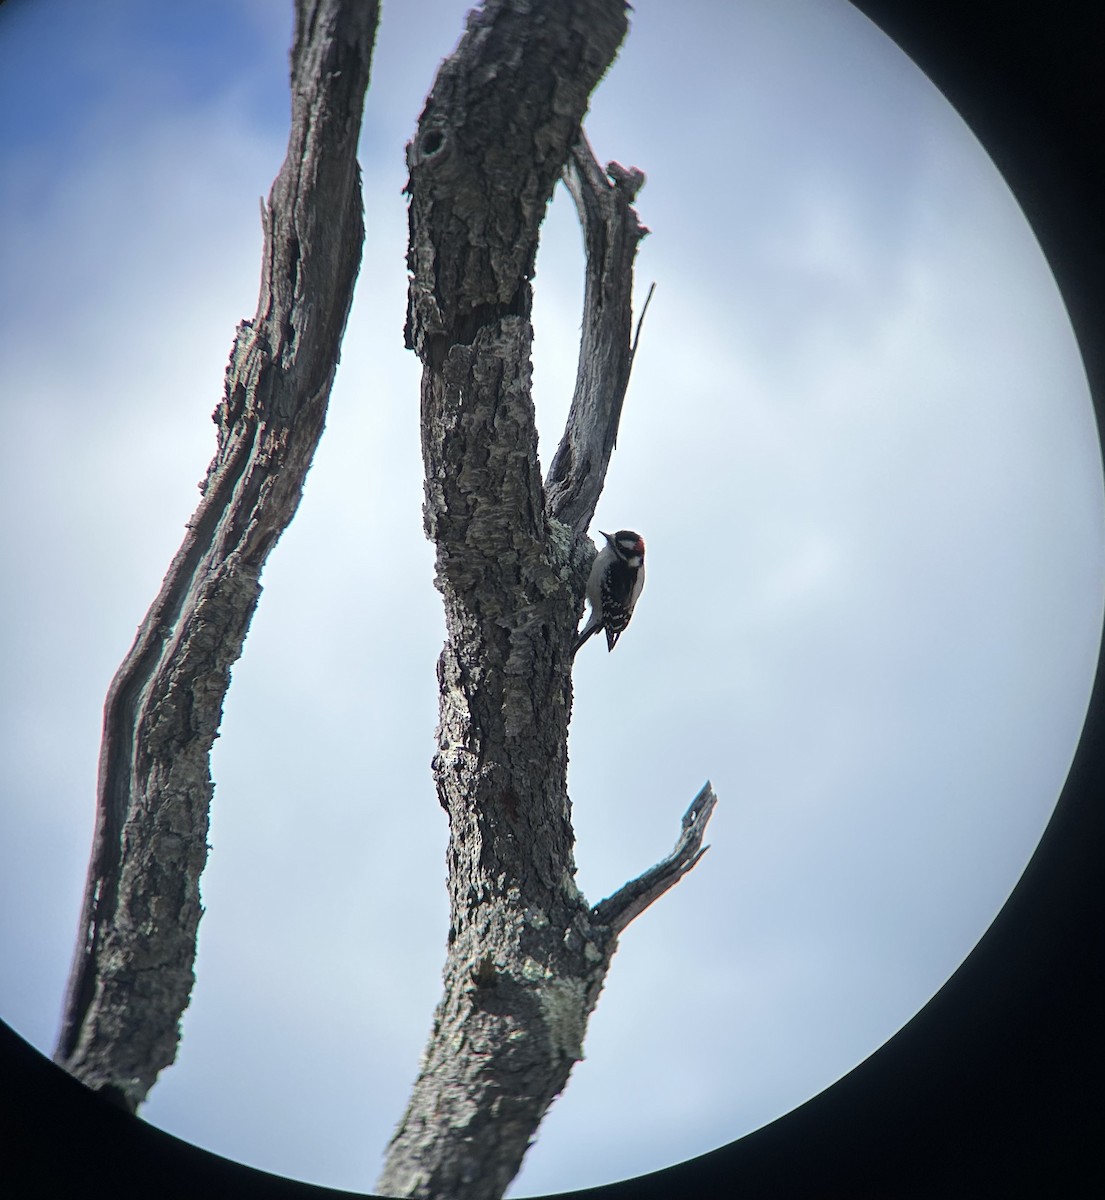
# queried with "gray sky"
point(858, 441)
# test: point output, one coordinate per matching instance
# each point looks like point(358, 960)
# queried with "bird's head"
point(627, 545)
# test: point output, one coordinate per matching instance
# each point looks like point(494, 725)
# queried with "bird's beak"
point(606, 535)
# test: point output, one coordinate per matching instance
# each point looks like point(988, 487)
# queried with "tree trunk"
point(132, 973)
point(527, 955)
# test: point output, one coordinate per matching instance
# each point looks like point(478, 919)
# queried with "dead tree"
point(132, 972)
point(527, 955)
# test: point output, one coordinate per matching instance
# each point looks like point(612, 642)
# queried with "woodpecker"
point(615, 583)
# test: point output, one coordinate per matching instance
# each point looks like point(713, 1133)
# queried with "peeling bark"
point(527, 955)
point(132, 972)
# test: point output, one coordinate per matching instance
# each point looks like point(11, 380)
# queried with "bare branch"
point(630, 901)
point(132, 971)
point(611, 233)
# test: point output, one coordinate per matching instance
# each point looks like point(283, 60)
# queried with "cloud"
point(858, 441)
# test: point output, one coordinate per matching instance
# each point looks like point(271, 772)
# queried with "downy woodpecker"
point(615, 582)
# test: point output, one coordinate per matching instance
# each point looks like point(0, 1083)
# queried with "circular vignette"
point(1027, 985)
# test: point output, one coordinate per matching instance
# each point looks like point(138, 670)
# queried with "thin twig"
point(640, 322)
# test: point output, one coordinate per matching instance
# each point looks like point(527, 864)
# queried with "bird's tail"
point(590, 628)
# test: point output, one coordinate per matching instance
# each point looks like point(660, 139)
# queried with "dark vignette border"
point(996, 1087)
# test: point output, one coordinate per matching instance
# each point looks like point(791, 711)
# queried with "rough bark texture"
point(132, 972)
point(527, 955)
point(611, 233)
